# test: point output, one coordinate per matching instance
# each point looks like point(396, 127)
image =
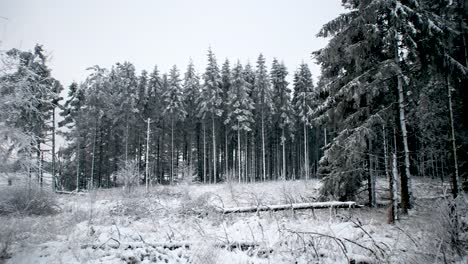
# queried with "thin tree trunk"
point(253, 159)
point(204, 152)
point(126, 141)
point(306, 160)
point(41, 162)
point(325, 136)
point(263, 148)
point(147, 154)
point(53, 150)
point(393, 213)
point(370, 186)
point(283, 141)
point(239, 154)
point(456, 183)
point(406, 190)
point(94, 154)
point(214, 148)
point(172, 150)
point(226, 155)
point(78, 166)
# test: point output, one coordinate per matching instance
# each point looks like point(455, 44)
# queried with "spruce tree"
point(240, 115)
point(174, 107)
point(302, 104)
point(263, 104)
point(210, 105)
point(282, 110)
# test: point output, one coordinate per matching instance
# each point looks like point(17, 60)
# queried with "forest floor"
point(181, 224)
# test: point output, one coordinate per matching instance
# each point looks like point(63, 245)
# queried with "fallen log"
point(294, 206)
point(71, 193)
point(231, 246)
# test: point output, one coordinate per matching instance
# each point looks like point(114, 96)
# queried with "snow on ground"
point(181, 224)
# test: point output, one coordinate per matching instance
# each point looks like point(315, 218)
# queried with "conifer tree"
point(174, 107)
point(302, 103)
point(211, 101)
point(240, 110)
point(191, 91)
point(282, 109)
point(226, 86)
point(263, 104)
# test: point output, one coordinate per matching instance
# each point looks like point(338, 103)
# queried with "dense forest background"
point(391, 101)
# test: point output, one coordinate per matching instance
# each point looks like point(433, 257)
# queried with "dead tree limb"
point(294, 206)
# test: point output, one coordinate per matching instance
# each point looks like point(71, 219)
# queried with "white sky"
point(81, 33)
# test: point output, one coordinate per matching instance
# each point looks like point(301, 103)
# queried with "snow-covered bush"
point(187, 173)
point(27, 200)
point(206, 253)
point(128, 175)
point(450, 225)
point(6, 239)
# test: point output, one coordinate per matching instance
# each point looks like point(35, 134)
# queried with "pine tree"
point(226, 86)
point(72, 114)
point(302, 103)
point(174, 107)
point(191, 91)
point(282, 109)
point(211, 101)
point(240, 110)
point(155, 110)
point(29, 96)
point(263, 104)
point(373, 67)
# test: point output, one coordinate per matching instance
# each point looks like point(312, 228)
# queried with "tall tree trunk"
point(78, 165)
point(239, 154)
point(214, 148)
point(253, 159)
point(391, 216)
point(406, 190)
point(306, 159)
point(147, 154)
point(226, 155)
point(40, 161)
point(172, 150)
point(325, 136)
point(393, 210)
point(370, 180)
point(263, 147)
point(456, 183)
point(94, 154)
point(53, 150)
point(126, 141)
point(283, 142)
point(204, 152)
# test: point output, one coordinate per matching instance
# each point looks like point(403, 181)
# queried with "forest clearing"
point(182, 224)
point(234, 131)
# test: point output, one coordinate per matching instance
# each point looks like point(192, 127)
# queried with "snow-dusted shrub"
point(128, 175)
point(450, 226)
point(202, 205)
point(205, 253)
point(187, 173)
point(27, 200)
point(7, 234)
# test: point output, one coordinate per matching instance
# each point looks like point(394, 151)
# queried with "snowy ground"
point(181, 224)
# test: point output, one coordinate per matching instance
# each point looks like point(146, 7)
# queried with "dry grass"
point(27, 200)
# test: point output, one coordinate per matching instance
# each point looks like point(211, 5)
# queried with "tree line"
point(239, 122)
point(390, 101)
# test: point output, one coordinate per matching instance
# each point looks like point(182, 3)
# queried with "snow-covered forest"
point(248, 162)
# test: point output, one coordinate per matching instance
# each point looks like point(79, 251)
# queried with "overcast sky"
point(81, 33)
